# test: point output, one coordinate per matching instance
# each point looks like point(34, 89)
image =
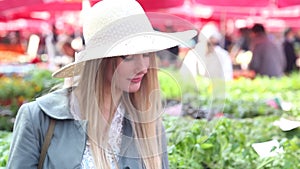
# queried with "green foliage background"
point(16, 90)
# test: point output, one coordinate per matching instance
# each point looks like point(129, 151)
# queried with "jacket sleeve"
point(25, 146)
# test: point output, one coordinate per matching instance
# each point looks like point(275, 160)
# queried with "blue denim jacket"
point(69, 137)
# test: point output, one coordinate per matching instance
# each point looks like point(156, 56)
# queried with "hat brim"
point(136, 44)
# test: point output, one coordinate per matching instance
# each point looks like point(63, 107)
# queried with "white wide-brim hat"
point(117, 28)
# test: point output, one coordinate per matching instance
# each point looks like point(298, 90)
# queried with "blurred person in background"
point(67, 56)
point(241, 45)
point(216, 56)
point(67, 53)
point(208, 59)
point(267, 58)
point(289, 50)
point(243, 42)
point(227, 42)
point(297, 42)
point(4, 37)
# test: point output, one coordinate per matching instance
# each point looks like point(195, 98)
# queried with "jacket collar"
point(56, 104)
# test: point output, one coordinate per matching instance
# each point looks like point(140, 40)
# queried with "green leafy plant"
point(5, 139)
point(226, 143)
point(16, 90)
point(244, 97)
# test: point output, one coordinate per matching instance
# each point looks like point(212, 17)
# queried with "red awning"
point(248, 3)
point(236, 3)
point(22, 9)
point(192, 10)
point(12, 4)
point(14, 9)
point(286, 3)
point(159, 4)
point(154, 4)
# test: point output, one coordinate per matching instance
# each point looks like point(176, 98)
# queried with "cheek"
point(124, 70)
point(147, 62)
point(122, 74)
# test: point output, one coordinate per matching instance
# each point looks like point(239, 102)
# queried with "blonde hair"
point(143, 109)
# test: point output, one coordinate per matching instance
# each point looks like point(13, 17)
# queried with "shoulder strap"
point(46, 143)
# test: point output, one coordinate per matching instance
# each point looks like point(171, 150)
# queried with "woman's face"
point(129, 72)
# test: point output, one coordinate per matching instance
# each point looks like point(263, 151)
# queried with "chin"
point(134, 88)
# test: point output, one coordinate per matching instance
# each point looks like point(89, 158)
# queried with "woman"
point(110, 117)
point(218, 57)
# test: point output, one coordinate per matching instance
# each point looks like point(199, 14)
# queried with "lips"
point(136, 79)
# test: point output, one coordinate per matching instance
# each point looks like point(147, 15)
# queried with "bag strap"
point(46, 143)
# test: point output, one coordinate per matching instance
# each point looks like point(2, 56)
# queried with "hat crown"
point(106, 12)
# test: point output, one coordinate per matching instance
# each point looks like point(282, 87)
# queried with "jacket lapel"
point(127, 137)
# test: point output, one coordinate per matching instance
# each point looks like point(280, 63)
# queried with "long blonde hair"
point(143, 109)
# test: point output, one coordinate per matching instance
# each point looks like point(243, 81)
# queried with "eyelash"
point(125, 57)
point(146, 54)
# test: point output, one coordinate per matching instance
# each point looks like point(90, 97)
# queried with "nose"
point(141, 64)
